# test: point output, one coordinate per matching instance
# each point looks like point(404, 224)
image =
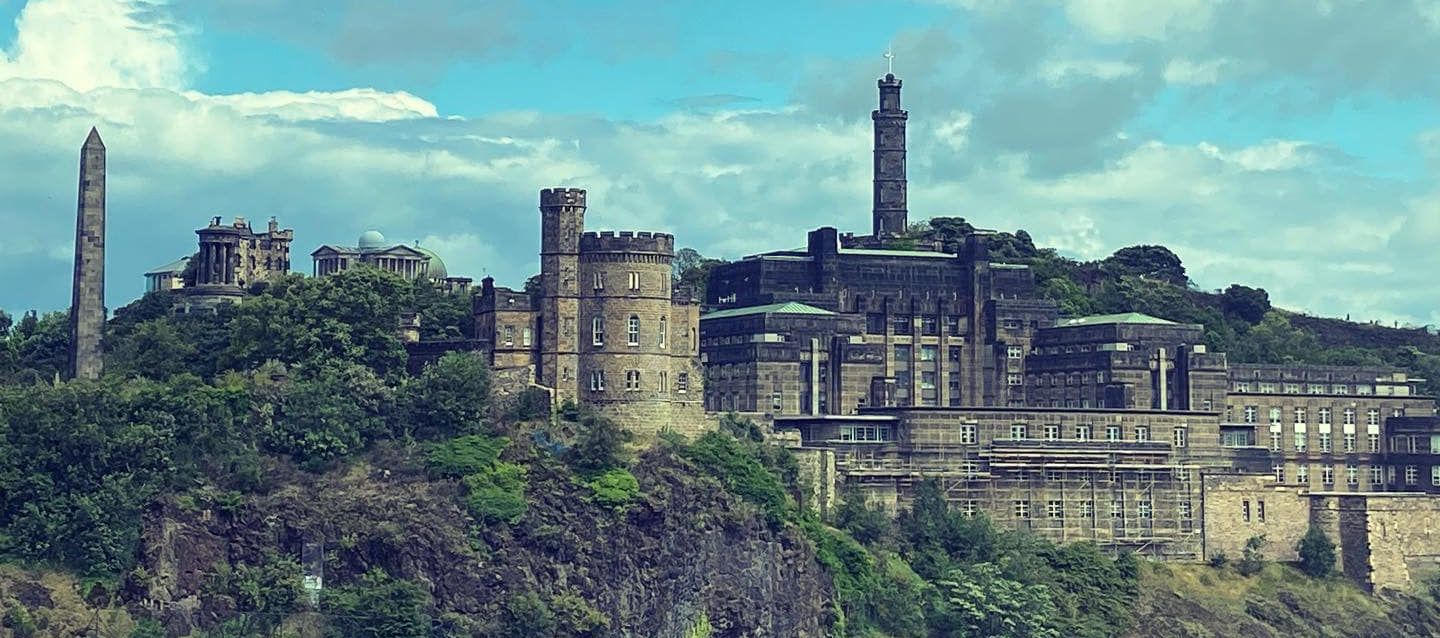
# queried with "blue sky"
point(1282, 143)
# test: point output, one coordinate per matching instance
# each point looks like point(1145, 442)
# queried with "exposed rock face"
point(686, 549)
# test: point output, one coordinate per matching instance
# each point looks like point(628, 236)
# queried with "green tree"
point(867, 524)
point(153, 349)
point(1151, 262)
point(330, 412)
point(450, 397)
point(378, 606)
point(443, 315)
point(1246, 303)
point(599, 445)
point(980, 601)
point(1317, 553)
point(1274, 340)
point(691, 270)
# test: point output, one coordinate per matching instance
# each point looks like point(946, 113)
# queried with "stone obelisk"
point(87, 301)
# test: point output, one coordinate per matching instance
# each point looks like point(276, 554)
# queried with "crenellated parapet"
point(657, 246)
point(553, 197)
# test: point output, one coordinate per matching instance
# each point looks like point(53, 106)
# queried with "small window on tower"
point(634, 281)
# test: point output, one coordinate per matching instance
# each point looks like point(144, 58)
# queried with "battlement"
point(625, 241)
point(556, 197)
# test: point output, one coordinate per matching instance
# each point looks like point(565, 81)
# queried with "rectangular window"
point(1245, 511)
point(1299, 441)
point(597, 380)
point(1087, 509)
point(969, 508)
point(902, 355)
point(967, 434)
point(1274, 441)
point(682, 382)
point(1055, 510)
point(1014, 379)
point(1324, 416)
point(1435, 475)
point(1144, 510)
point(527, 336)
point(1267, 388)
point(1352, 475)
point(1292, 388)
point(1017, 431)
point(1185, 512)
point(1349, 442)
point(1274, 416)
point(1377, 476)
point(1279, 470)
point(1260, 511)
point(903, 324)
point(599, 281)
point(1015, 352)
point(664, 329)
point(1082, 433)
point(1374, 442)
point(597, 331)
point(1052, 433)
point(1250, 413)
point(1302, 474)
point(1117, 509)
point(1181, 437)
point(1372, 417)
point(1324, 442)
point(632, 331)
point(1142, 433)
point(509, 335)
point(1342, 389)
point(1300, 415)
point(777, 401)
point(1412, 475)
point(928, 353)
point(971, 469)
point(632, 380)
point(1349, 416)
point(927, 380)
point(634, 280)
point(1327, 475)
point(1022, 510)
point(1112, 433)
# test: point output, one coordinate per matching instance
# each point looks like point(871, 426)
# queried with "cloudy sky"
point(1291, 144)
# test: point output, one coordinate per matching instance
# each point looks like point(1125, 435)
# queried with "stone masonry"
point(87, 302)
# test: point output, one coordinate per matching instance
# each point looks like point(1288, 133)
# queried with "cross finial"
point(889, 61)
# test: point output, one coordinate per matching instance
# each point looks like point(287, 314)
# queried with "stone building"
point(410, 262)
point(232, 257)
point(1124, 479)
point(171, 276)
point(87, 297)
point(941, 327)
point(1324, 426)
point(1125, 361)
point(605, 329)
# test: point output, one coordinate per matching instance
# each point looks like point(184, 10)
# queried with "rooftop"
point(784, 308)
point(174, 267)
point(1127, 317)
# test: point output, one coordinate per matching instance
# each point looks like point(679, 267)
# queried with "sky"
point(1287, 144)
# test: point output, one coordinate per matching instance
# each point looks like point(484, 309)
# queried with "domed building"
point(410, 262)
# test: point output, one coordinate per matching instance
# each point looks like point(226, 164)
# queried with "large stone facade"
point(87, 300)
point(605, 329)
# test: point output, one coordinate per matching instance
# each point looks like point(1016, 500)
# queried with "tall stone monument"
point(87, 301)
point(889, 216)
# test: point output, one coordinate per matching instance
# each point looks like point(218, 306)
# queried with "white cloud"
point(367, 105)
point(1057, 71)
point(88, 44)
point(1128, 19)
point(1186, 71)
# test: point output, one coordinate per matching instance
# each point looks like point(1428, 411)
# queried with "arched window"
point(664, 323)
point(634, 331)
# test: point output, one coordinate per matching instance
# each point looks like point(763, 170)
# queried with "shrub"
point(1218, 560)
point(449, 397)
point(599, 446)
point(1317, 553)
point(465, 455)
point(147, 628)
point(1252, 561)
point(530, 405)
point(497, 494)
point(378, 606)
point(616, 488)
point(741, 472)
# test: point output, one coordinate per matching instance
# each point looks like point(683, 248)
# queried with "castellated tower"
point(889, 215)
point(87, 300)
point(562, 221)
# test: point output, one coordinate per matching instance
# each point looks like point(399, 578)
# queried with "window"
point(1316, 388)
point(1352, 475)
point(527, 336)
point(1302, 474)
point(1087, 509)
point(777, 401)
point(597, 381)
point(1144, 510)
point(1267, 388)
point(1274, 416)
point(1117, 509)
point(1082, 433)
point(1052, 433)
point(597, 331)
point(664, 382)
point(1292, 388)
point(509, 335)
point(1250, 413)
point(1373, 439)
point(1015, 352)
point(1142, 433)
point(1349, 416)
point(1242, 386)
point(664, 328)
point(1435, 474)
point(969, 508)
point(1299, 415)
point(970, 468)
point(1377, 476)
point(1185, 512)
point(929, 325)
point(1300, 441)
point(1279, 470)
point(1372, 417)
point(1245, 511)
point(1327, 475)
point(634, 280)
point(1112, 433)
point(1055, 510)
point(1412, 474)
point(1274, 441)
point(1324, 442)
point(1260, 511)
point(1342, 389)
point(927, 380)
point(1014, 379)
point(967, 434)
point(682, 382)
point(1022, 510)
point(902, 355)
point(599, 281)
point(632, 380)
point(928, 353)
point(1180, 437)
point(1017, 431)
point(1349, 442)
point(633, 331)
point(1324, 416)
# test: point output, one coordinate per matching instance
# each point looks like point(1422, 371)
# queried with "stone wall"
point(1237, 507)
point(1391, 541)
point(818, 478)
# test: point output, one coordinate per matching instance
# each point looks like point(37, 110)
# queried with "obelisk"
point(87, 300)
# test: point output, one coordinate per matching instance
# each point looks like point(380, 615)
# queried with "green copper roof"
point(785, 308)
point(1128, 317)
point(174, 267)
